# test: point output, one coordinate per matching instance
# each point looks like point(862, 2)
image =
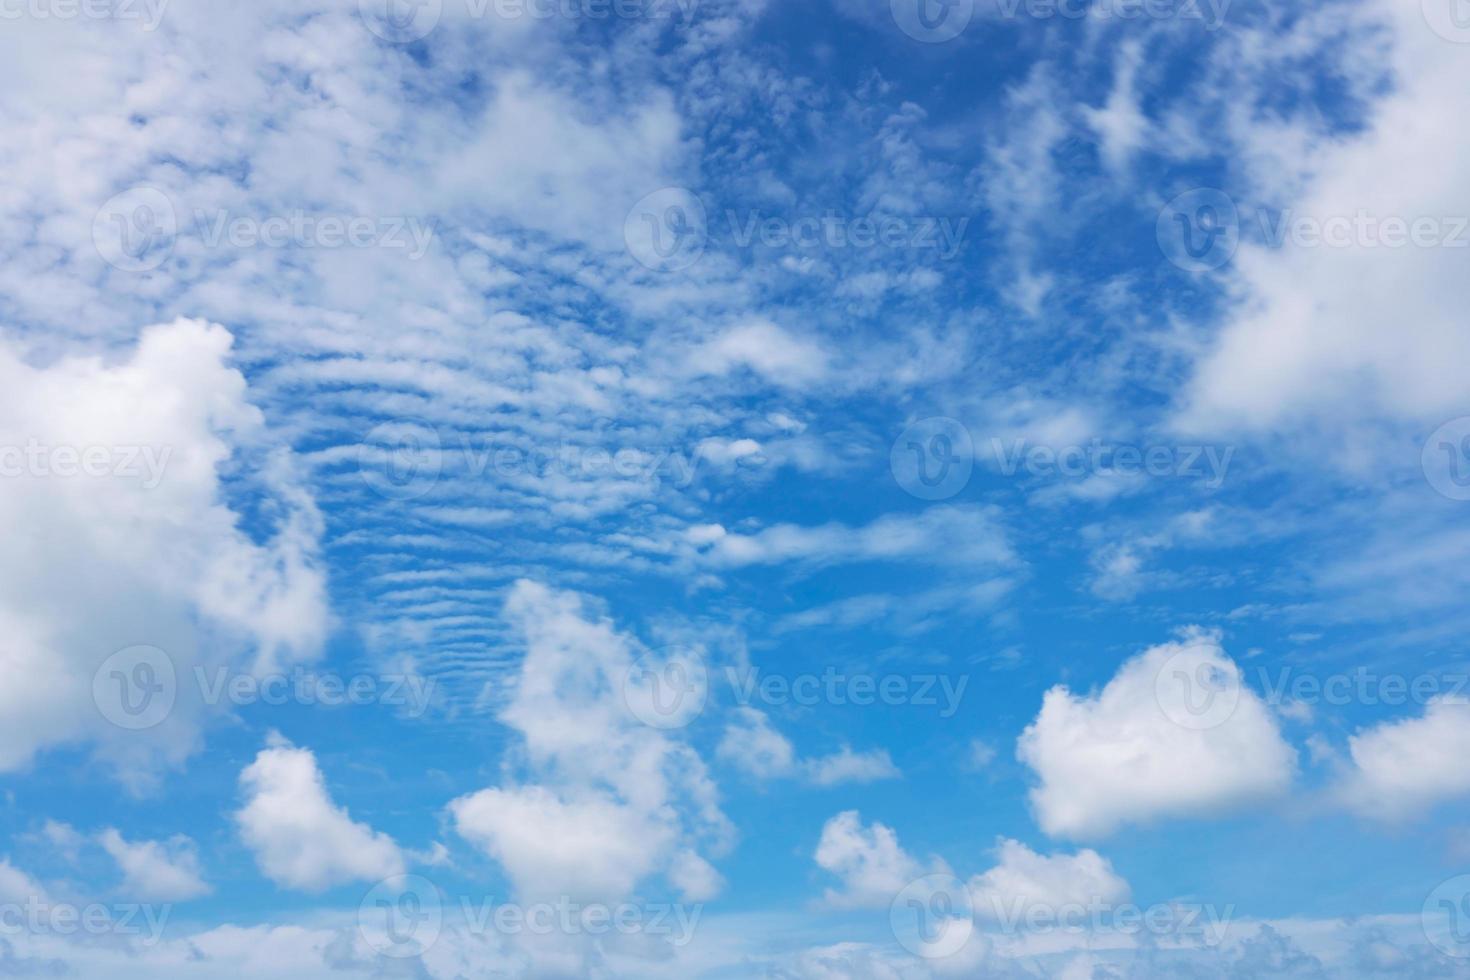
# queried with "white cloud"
point(1120, 123)
point(871, 865)
point(301, 839)
point(1174, 733)
point(162, 871)
point(1401, 768)
point(847, 766)
point(751, 745)
point(119, 535)
point(1025, 880)
point(770, 351)
point(591, 847)
point(954, 535)
point(607, 800)
point(1334, 335)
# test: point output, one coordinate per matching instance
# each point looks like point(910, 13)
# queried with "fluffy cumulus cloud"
point(1367, 319)
point(301, 838)
point(603, 799)
point(589, 846)
point(119, 535)
point(1403, 767)
point(1024, 880)
point(156, 871)
point(868, 861)
point(752, 745)
point(1174, 733)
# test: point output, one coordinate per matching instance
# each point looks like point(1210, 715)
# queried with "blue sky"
point(843, 489)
